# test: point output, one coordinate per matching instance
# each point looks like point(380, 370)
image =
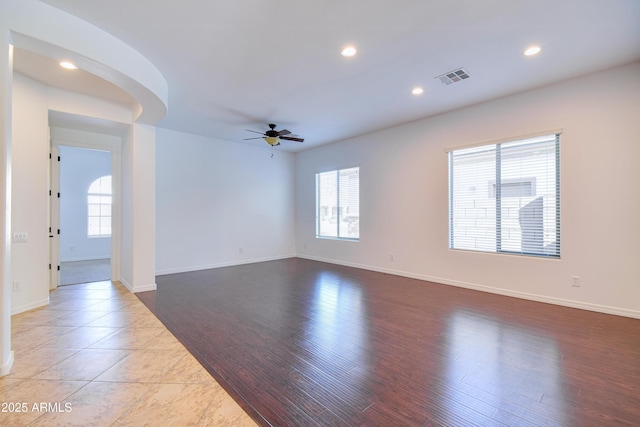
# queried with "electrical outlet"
point(575, 281)
point(392, 257)
point(241, 251)
point(16, 286)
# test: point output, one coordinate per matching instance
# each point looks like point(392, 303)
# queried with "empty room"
point(320, 213)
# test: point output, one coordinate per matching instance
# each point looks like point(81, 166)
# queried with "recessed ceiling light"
point(348, 51)
point(68, 65)
point(417, 90)
point(533, 50)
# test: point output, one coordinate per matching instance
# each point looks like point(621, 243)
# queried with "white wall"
point(35, 26)
point(221, 203)
point(139, 208)
point(404, 199)
point(30, 175)
point(30, 200)
point(6, 84)
point(79, 168)
point(30, 186)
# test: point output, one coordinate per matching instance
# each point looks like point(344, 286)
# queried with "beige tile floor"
point(96, 356)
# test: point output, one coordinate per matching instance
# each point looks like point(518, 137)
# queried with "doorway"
point(85, 209)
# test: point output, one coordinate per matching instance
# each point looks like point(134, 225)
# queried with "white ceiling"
point(48, 71)
point(236, 65)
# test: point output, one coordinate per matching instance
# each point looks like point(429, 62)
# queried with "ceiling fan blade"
point(254, 131)
point(290, 138)
point(283, 132)
point(257, 137)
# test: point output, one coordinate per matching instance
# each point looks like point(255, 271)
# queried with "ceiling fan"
point(273, 137)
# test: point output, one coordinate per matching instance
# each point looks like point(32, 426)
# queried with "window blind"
point(506, 197)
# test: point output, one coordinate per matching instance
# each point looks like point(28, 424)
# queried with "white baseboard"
point(30, 306)
point(145, 288)
point(126, 285)
point(220, 264)
point(483, 288)
point(6, 366)
point(139, 288)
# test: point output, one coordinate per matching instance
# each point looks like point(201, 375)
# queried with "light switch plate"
point(20, 237)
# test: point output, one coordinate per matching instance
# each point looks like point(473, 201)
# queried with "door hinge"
point(49, 266)
point(58, 268)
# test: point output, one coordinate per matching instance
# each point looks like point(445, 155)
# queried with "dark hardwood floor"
point(304, 343)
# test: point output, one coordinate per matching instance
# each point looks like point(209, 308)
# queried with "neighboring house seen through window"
point(506, 197)
point(99, 199)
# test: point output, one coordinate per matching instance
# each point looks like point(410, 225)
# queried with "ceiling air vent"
point(453, 76)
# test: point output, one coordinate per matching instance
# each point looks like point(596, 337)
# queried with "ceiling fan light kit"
point(272, 140)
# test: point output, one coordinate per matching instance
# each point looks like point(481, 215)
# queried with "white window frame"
point(493, 191)
point(100, 200)
point(347, 218)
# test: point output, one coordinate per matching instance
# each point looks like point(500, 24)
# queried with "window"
point(338, 204)
point(506, 197)
point(99, 207)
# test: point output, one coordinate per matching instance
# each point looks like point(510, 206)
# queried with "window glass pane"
point(105, 226)
point(473, 209)
point(327, 204)
point(99, 207)
point(94, 226)
point(105, 185)
point(526, 216)
point(349, 201)
point(105, 229)
point(101, 185)
point(338, 204)
point(94, 210)
point(105, 210)
point(519, 212)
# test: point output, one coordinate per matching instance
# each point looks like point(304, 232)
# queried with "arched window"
point(99, 207)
